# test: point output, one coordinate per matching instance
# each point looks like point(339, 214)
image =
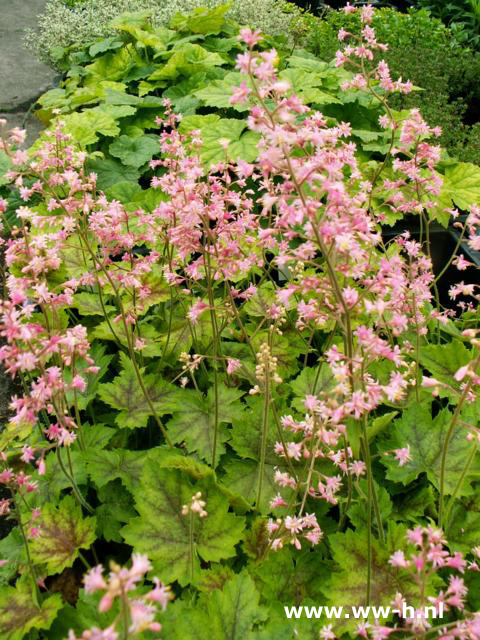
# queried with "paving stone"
point(22, 77)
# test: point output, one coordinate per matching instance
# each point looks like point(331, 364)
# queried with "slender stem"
point(459, 484)
point(263, 447)
point(453, 422)
point(27, 549)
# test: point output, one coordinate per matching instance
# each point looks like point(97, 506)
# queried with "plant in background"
point(239, 362)
point(461, 16)
point(64, 26)
point(422, 49)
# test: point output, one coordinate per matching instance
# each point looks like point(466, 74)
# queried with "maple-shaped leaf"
point(158, 291)
point(426, 437)
point(289, 577)
point(62, 531)
point(12, 553)
point(173, 541)
point(150, 337)
point(101, 360)
point(194, 420)
point(19, 613)
point(312, 381)
point(443, 361)
point(115, 510)
point(126, 395)
point(348, 582)
point(230, 612)
point(88, 304)
point(105, 466)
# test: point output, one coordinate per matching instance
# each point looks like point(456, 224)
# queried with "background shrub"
point(424, 51)
point(76, 25)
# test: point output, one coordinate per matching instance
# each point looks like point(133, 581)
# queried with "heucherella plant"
point(230, 360)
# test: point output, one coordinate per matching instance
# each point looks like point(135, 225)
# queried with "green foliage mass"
point(423, 50)
point(227, 584)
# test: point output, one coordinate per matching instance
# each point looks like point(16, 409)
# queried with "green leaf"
point(63, 531)
point(190, 59)
point(101, 360)
point(88, 304)
point(201, 20)
point(443, 361)
point(126, 395)
point(348, 581)
point(227, 612)
point(5, 165)
point(312, 381)
point(149, 334)
point(218, 92)
point(116, 509)
point(166, 535)
point(110, 172)
point(19, 613)
point(305, 85)
point(462, 184)
point(194, 420)
point(84, 127)
point(107, 44)
point(105, 466)
point(426, 437)
point(193, 122)
point(12, 551)
point(135, 152)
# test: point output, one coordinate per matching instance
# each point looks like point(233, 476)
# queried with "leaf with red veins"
point(62, 532)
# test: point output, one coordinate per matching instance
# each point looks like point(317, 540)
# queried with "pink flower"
point(251, 38)
point(94, 580)
point(196, 310)
point(240, 94)
point(403, 455)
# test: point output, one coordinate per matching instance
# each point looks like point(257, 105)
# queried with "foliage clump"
point(426, 52)
point(62, 26)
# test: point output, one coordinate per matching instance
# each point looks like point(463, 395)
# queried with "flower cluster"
point(120, 585)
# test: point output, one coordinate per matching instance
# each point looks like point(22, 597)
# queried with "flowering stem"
point(27, 549)
point(459, 484)
point(71, 479)
point(453, 422)
point(263, 446)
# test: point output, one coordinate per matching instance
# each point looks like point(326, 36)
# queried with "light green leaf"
point(62, 531)
point(426, 437)
point(84, 127)
point(175, 542)
point(150, 336)
point(126, 395)
point(194, 420)
point(201, 20)
point(218, 93)
point(110, 172)
point(134, 152)
point(190, 59)
point(462, 184)
point(19, 613)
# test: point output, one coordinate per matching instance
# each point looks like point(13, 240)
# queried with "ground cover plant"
point(233, 395)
